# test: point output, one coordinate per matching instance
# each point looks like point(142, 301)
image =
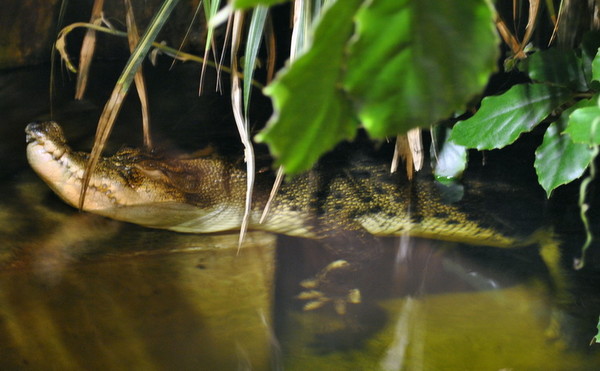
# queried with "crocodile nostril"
point(48, 129)
point(32, 132)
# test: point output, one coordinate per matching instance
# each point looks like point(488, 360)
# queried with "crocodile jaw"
point(62, 169)
point(58, 166)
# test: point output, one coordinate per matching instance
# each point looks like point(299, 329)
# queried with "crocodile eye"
point(152, 173)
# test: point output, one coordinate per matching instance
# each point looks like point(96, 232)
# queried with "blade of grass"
point(187, 32)
point(133, 37)
point(87, 50)
point(59, 22)
point(240, 121)
point(509, 38)
point(220, 66)
point(252, 44)
point(561, 11)
point(534, 9)
point(274, 189)
point(301, 28)
point(61, 41)
point(221, 16)
point(271, 49)
point(112, 107)
point(211, 7)
point(551, 11)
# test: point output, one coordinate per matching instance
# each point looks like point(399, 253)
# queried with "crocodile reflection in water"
point(201, 194)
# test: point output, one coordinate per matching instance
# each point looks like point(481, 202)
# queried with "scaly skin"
point(206, 194)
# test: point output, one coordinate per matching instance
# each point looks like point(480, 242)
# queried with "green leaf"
point(597, 337)
point(561, 67)
point(596, 67)
point(211, 7)
point(502, 118)
point(589, 50)
point(584, 125)
point(243, 4)
point(558, 160)
point(311, 112)
point(414, 62)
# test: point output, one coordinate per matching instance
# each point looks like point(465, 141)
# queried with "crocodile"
point(345, 205)
point(206, 193)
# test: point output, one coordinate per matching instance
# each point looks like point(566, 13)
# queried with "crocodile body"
point(203, 194)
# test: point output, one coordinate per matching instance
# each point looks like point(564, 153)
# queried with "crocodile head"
point(139, 187)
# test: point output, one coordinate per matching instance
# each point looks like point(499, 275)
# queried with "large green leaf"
point(584, 125)
point(414, 62)
point(561, 67)
point(501, 119)
point(311, 112)
point(558, 160)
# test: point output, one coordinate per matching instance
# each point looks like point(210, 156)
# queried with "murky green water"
point(82, 292)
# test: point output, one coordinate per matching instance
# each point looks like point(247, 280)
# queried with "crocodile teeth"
point(58, 153)
point(49, 147)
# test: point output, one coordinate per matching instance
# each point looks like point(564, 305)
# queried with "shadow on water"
point(81, 292)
